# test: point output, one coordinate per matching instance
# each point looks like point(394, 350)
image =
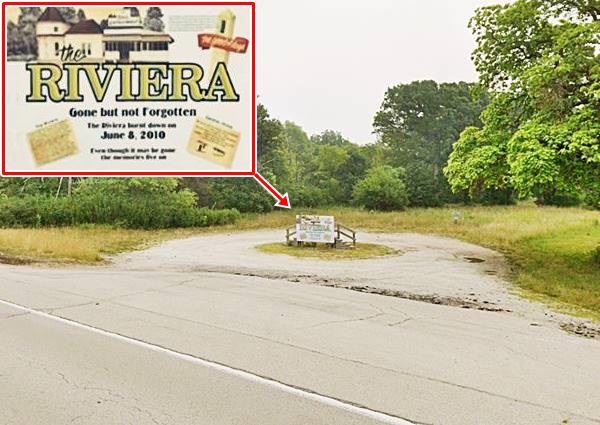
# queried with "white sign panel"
point(315, 228)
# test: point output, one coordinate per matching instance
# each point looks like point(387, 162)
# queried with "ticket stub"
point(52, 142)
point(214, 141)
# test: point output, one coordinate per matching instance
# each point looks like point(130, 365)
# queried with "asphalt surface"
point(207, 330)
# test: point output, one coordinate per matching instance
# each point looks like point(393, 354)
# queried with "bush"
point(592, 198)
point(244, 195)
point(133, 203)
point(310, 196)
point(421, 186)
point(558, 199)
point(493, 196)
point(383, 188)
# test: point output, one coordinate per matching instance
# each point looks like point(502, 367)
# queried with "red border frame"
point(133, 173)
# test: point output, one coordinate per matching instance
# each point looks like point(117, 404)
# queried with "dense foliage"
point(134, 203)
point(382, 189)
point(529, 128)
point(417, 125)
point(540, 60)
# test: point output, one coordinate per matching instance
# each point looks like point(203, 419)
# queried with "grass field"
point(551, 249)
point(87, 244)
point(362, 251)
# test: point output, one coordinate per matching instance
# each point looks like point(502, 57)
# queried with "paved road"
point(208, 331)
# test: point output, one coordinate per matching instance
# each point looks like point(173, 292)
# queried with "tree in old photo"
point(153, 20)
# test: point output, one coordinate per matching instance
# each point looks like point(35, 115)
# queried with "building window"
point(55, 29)
point(223, 25)
point(56, 49)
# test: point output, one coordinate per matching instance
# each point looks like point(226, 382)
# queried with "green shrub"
point(158, 210)
point(383, 188)
point(243, 194)
point(592, 198)
point(421, 186)
point(310, 196)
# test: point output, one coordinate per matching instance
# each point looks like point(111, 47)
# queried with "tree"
point(302, 152)
point(418, 123)
point(14, 39)
point(200, 186)
point(273, 163)
point(26, 27)
point(71, 15)
point(541, 132)
point(242, 194)
point(382, 189)
point(153, 20)
point(331, 138)
point(273, 157)
point(323, 168)
point(15, 186)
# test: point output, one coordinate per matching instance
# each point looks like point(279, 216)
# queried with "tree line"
point(528, 129)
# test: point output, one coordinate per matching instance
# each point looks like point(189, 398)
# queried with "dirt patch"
point(350, 284)
point(275, 275)
point(474, 259)
point(586, 330)
point(431, 299)
point(14, 261)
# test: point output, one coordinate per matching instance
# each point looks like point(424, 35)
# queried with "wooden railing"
point(346, 231)
point(289, 232)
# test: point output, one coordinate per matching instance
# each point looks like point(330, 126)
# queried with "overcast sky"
point(325, 64)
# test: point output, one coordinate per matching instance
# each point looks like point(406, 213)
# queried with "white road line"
point(319, 398)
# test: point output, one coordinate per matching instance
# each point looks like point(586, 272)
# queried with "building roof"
point(135, 34)
point(51, 14)
point(89, 26)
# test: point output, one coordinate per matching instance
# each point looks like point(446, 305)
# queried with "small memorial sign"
point(315, 228)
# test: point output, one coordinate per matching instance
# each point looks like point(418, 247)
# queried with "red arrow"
point(283, 201)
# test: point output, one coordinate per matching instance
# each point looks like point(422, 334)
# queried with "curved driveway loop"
point(425, 268)
point(209, 330)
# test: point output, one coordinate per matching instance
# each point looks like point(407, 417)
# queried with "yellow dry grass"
point(86, 244)
point(550, 249)
point(362, 251)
